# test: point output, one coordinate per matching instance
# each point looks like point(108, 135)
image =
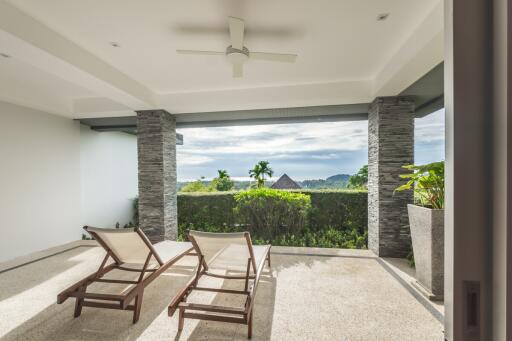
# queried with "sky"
point(303, 151)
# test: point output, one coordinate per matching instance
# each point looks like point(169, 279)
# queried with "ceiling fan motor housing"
point(237, 56)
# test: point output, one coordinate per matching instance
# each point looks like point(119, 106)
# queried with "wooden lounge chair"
point(228, 256)
point(132, 251)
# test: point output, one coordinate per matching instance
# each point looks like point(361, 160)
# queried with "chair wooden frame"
point(214, 312)
point(111, 301)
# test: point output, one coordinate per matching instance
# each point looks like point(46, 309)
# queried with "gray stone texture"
point(156, 145)
point(390, 146)
point(427, 232)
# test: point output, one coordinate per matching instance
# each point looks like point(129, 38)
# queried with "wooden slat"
point(227, 276)
point(117, 306)
point(95, 296)
point(134, 270)
point(118, 281)
point(224, 291)
point(212, 308)
point(101, 305)
point(218, 318)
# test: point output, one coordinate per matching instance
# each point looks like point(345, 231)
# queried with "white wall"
point(108, 163)
point(39, 181)
point(56, 176)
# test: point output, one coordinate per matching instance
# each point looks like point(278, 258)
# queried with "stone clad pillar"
point(390, 146)
point(156, 146)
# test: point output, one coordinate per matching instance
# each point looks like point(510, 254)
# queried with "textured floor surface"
point(318, 295)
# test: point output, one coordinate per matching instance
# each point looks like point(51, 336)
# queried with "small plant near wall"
point(427, 182)
point(426, 221)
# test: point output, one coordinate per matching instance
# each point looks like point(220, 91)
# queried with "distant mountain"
point(338, 177)
point(338, 181)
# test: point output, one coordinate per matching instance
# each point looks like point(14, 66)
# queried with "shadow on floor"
point(20, 279)
point(56, 322)
point(262, 318)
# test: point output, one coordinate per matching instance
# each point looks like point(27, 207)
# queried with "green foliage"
point(271, 212)
point(340, 209)
point(222, 182)
point(328, 237)
point(360, 179)
point(222, 174)
point(337, 218)
point(338, 181)
point(136, 211)
point(427, 182)
point(199, 186)
point(259, 171)
point(201, 210)
point(410, 259)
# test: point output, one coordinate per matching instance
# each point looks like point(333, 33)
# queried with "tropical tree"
point(360, 179)
point(194, 186)
point(222, 174)
point(259, 171)
point(223, 181)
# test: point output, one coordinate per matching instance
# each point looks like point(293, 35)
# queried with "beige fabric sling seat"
point(131, 251)
point(228, 256)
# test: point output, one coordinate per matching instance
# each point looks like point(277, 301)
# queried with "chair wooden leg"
point(181, 320)
point(268, 259)
point(249, 327)
point(79, 302)
point(138, 306)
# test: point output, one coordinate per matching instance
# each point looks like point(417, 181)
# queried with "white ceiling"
point(345, 54)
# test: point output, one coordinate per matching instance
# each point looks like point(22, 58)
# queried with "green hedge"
point(269, 213)
point(340, 210)
point(202, 210)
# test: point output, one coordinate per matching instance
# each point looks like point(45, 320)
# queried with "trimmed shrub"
point(328, 237)
point(336, 218)
point(268, 213)
point(339, 209)
point(201, 210)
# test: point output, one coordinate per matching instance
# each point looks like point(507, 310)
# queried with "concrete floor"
point(309, 294)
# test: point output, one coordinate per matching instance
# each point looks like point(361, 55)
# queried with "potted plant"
point(426, 220)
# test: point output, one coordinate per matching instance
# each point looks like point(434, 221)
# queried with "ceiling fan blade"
point(273, 57)
point(238, 70)
point(200, 52)
point(236, 31)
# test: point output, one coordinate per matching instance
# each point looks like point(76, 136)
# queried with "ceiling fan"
point(237, 54)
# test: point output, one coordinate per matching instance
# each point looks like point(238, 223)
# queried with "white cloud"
point(430, 128)
point(276, 139)
point(186, 159)
point(304, 151)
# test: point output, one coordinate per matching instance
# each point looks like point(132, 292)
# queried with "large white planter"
point(427, 234)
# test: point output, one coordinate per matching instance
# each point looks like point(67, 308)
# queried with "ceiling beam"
point(421, 52)
point(325, 113)
point(30, 41)
point(294, 95)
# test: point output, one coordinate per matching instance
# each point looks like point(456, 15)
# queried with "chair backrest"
point(127, 245)
point(224, 250)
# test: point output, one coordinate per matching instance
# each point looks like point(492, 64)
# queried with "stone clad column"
point(390, 146)
point(156, 146)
